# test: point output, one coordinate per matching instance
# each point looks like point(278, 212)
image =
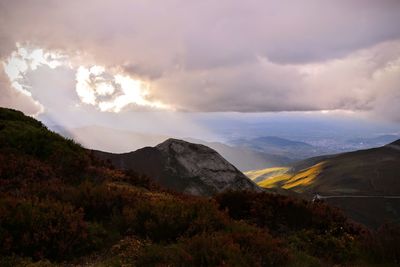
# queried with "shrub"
point(254, 248)
point(98, 201)
point(316, 228)
point(171, 218)
point(337, 249)
point(383, 244)
point(281, 214)
point(40, 229)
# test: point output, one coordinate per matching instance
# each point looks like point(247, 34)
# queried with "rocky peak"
point(205, 170)
point(185, 167)
point(195, 156)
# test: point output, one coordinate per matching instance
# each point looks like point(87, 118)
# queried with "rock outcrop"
point(185, 167)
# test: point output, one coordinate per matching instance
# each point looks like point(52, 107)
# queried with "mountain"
point(364, 183)
point(245, 158)
point(60, 205)
point(280, 146)
point(120, 141)
point(182, 166)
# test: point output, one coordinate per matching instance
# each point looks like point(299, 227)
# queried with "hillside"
point(122, 141)
point(183, 167)
point(260, 175)
point(372, 172)
point(61, 206)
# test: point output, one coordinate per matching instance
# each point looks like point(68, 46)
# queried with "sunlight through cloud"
point(26, 59)
point(106, 90)
point(112, 92)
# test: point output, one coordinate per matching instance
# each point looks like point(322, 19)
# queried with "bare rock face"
point(206, 171)
point(184, 167)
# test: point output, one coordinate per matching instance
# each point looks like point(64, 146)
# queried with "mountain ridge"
point(368, 172)
point(183, 166)
point(55, 192)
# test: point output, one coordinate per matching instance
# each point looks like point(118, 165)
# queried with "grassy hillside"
point(297, 181)
point(372, 172)
point(261, 175)
point(59, 204)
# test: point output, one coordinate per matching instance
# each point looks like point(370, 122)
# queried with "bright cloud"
point(25, 59)
point(95, 86)
point(112, 92)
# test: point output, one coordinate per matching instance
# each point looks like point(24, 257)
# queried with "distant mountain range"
point(298, 150)
point(281, 146)
point(380, 140)
point(245, 158)
point(364, 183)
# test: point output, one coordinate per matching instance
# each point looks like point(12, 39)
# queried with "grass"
point(268, 173)
point(296, 181)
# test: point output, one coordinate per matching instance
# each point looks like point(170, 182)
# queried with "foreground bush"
point(251, 247)
point(172, 218)
point(315, 228)
point(41, 229)
point(383, 244)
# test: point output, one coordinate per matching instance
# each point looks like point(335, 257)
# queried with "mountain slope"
point(184, 167)
point(373, 171)
point(351, 177)
point(120, 141)
point(260, 175)
point(59, 205)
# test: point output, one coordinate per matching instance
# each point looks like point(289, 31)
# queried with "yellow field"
point(288, 181)
point(261, 175)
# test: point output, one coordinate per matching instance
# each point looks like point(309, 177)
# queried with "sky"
point(176, 67)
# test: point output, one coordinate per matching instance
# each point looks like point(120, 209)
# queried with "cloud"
point(11, 98)
point(359, 81)
point(252, 56)
point(112, 92)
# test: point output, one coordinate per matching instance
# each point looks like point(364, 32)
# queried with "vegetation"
point(60, 204)
point(297, 181)
point(371, 173)
point(260, 175)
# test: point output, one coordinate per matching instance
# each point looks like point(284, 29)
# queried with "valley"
point(179, 202)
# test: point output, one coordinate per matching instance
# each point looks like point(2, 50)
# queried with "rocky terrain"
point(185, 167)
